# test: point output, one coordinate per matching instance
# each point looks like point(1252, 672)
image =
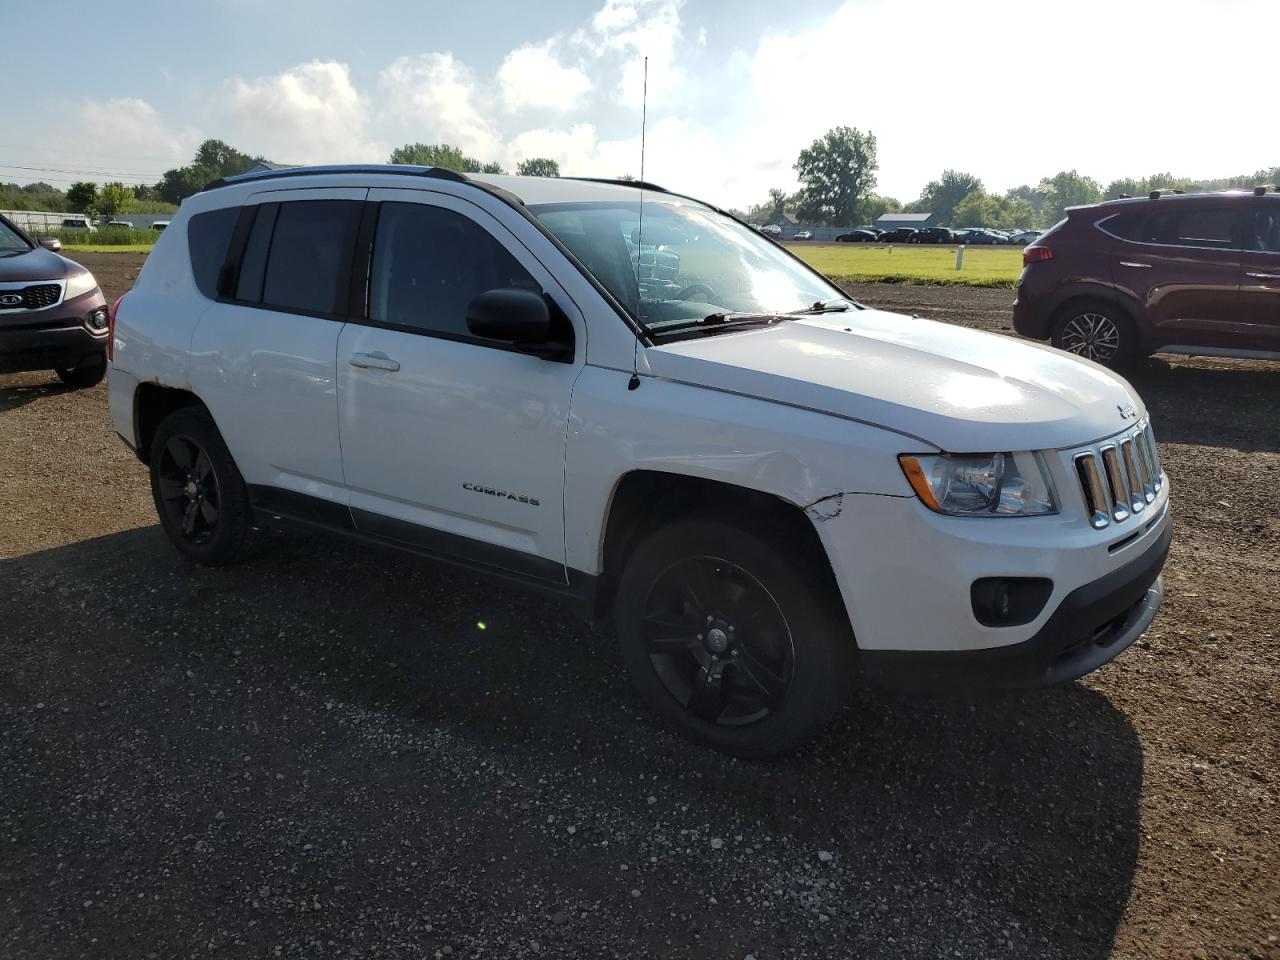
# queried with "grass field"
point(107, 247)
point(983, 266)
point(854, 263)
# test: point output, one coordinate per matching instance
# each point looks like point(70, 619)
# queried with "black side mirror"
point(51, 243)
point(526, 319)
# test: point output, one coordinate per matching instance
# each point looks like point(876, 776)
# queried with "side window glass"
point(254, 265)
point(1265, 235)
point(208, 237)
point(429, 263)
point(1212, 227)
point(311, 249)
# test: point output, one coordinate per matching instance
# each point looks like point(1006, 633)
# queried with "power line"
point(96, 153)
point(103, 173)
point(126, 182)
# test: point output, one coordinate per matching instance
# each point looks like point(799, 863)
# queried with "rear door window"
point(208, 238)
point(1214, 228)
point(1264, 236)
point(310, 256)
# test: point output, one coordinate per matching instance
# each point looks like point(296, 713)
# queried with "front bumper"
point(905, 575)
point(1090, 627)
point(53, 339)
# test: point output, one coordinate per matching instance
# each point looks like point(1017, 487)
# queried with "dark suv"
point(1195, 274)
point(52, 314)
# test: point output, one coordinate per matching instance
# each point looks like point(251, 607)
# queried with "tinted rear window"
point(310, 254)
point(208, 237)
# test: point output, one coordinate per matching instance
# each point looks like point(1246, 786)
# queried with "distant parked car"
point(858, 236)
point(982, 237)
point(119, 223)
point(932, 235)
point(901, 235)
point(159, 224)
point(78, 223)
point(1024, 237)
point(803, 235)
point(1196, 274)
point(771, 230)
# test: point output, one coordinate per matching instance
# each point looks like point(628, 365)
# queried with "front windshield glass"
point(690, 263)
point(11, 241)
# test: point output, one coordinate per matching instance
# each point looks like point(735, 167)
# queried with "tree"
point(1067, 189)
point(625, 177)
point(538, 167)
point(115, 198)
point(976, 209)
point(875, 207)
point(941, 197)
point(492, 166)
point(82, 197)
point(213, 160)
point(777, 203)
point(836, 172)
point(443, 155)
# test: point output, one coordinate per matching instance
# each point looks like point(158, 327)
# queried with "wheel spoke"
point(179, 451)
point(209, 510)
point(669, 633)
point(171, 489)
point(203, 466)
point(189, 517)
point(700, 585)
point(707, 698)
point(759, 675)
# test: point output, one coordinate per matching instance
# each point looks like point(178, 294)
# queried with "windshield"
point(689, 264)
point(11, 241)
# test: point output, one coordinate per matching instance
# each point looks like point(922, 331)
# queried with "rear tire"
point(200, 496)
point(79, 378)
point(1097, 331)
point(732, 639)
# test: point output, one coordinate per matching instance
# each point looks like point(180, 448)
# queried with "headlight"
point(79, 283)
point(981, 485)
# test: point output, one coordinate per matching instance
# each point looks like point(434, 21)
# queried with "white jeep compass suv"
point(630, 399)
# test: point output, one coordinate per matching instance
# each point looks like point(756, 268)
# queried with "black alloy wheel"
point(718, 641)
point(188, 488)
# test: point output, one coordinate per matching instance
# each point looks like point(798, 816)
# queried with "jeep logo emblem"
point(1126, 411)
point(10, 299)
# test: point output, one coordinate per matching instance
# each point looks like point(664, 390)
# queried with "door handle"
point(1264, 276)
point(1134, 263)
point(374, 361)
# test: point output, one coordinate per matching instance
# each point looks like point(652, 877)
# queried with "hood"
point(37, 264)
point(957, 389)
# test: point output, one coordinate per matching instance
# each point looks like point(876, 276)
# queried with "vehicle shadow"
point(413, 744)
point(1212, 403)
point(14, 395)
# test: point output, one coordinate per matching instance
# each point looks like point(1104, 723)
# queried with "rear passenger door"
point(1184, 264)
point(262, 357)
point(451, 442)
point(1260, 278)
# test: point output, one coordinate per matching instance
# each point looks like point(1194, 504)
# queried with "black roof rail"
point(402, 169)
point(638, 184)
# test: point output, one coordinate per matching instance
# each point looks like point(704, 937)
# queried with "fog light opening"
point(96, 321)
point(1009, 601)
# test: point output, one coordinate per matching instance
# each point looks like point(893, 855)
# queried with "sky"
point(1009, 91)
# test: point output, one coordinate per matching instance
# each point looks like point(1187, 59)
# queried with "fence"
point(35, 221)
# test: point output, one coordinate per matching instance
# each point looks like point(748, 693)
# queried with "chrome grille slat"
point(1120, 477)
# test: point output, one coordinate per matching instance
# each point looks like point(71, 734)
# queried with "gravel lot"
point(337, 751)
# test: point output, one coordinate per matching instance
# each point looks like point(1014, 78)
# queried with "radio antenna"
point(644, 116)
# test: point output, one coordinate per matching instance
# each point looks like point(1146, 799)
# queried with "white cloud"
point(127, 123)
point(434, 98)
point(627, 31)
point(310, 113)
point(533, 77)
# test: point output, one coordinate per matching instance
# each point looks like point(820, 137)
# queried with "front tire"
point(734, 640)
point(1096, 331)
point(80, 378)
point(200, 496)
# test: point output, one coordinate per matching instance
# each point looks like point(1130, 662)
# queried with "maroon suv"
point(52, 314)
point(1196, 274)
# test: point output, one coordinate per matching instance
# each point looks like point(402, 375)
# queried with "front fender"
point(800, 456)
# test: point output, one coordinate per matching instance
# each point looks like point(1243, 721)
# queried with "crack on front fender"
point(828, 508)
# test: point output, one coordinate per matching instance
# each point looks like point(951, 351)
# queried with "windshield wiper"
point(718, 320)
point(824, 306)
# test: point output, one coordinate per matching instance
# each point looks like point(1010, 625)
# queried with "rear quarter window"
point(208, 238)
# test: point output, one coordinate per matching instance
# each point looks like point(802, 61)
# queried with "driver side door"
point(451, 442)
